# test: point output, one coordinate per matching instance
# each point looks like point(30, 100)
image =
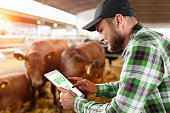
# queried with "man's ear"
point(119, 20)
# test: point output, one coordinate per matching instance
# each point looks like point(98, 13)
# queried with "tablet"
point(57, 79)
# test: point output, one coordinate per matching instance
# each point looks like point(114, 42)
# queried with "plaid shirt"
point(144, 85)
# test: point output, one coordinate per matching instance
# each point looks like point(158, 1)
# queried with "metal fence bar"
point(11, 37)
point(10, 49)
point(13, 71)
point(113, 55)
point(12, 45)
point(114, 66)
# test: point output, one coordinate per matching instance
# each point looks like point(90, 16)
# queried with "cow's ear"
point(4, 84)
point(93, 65)
point(50, 55)
point(19, 56)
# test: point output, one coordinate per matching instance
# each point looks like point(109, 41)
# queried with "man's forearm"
point(84, 106)
point(108, 90)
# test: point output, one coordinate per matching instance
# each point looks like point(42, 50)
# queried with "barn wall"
point(82, 19)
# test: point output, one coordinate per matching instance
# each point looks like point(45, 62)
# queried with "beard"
point(115, 40)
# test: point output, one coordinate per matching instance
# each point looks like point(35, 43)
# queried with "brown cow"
point(15, 89)
point(42, 57)
point(86, 61)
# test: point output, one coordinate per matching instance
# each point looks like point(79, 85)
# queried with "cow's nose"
point(37, 83)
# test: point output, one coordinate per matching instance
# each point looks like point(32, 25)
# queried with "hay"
point(44, 105)
point(8, 110)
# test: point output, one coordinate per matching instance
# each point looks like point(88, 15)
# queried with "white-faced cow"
point(86, 61)
point(15, 89)
point(42, 57)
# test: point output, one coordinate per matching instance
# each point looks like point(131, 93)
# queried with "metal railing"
point(12, 47)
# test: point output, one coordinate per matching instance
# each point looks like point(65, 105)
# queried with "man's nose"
point(101, 38)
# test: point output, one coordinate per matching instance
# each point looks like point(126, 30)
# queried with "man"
point(144, 84)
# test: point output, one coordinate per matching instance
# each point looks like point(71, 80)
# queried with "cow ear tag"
point(49, 57)
point(3, 85)
point(88, 70)
point(20, 58)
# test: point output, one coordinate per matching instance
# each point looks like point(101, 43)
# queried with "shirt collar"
point(135, 29)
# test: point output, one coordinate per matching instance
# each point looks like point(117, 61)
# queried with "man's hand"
point(66, 98)
point(84, 85)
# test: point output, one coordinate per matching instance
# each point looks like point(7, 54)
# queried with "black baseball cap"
point(109, 8)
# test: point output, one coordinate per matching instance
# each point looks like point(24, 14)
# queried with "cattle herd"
point(86, 61)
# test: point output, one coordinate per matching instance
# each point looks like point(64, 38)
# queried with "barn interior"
point(25, 21)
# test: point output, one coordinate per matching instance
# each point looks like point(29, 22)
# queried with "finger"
point(75, 78)
point(61, 94)
point(72, 93)
point(62, 89)
point(83, 82)
point(84, 88)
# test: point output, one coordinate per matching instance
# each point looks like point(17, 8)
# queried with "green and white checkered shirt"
point(144, 85)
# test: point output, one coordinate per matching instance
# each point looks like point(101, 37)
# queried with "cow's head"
point(35, 65)
point(78, 65)
point(52, 60)
point(72, 63)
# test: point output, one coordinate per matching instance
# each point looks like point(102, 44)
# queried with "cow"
point(86, 61)
point(15, 89)
point(42, 57)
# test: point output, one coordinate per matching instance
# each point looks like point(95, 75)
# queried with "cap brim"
point(91, 26)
